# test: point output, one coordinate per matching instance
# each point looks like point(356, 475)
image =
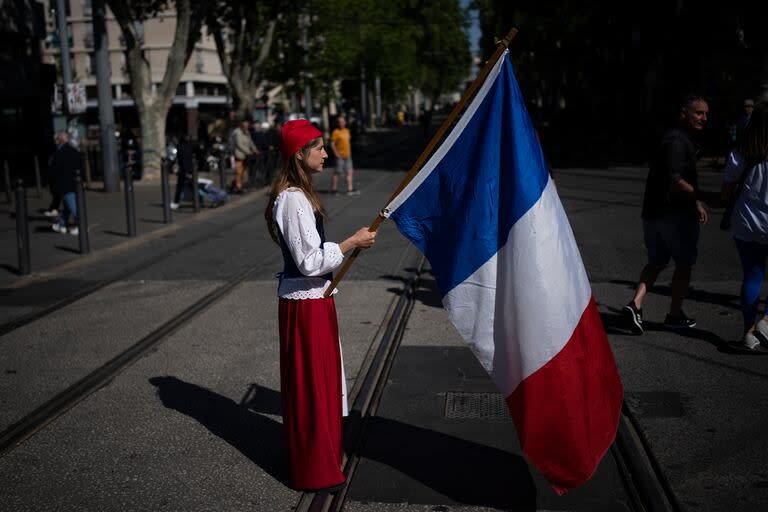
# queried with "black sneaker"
point(679, 321)
point(634, 317)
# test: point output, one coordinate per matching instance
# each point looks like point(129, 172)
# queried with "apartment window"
point(199, 62)
point(88, 39)
point(86, 7)
point(91, 70)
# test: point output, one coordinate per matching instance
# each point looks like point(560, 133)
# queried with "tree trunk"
point(244, 96)
point(153, 101)
point(152, 120)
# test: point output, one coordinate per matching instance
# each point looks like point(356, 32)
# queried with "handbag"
point(725, 222)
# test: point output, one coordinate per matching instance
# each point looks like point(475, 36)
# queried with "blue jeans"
point(70, 207)
point(753, 258)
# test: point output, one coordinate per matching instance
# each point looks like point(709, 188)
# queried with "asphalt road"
point(174, 432)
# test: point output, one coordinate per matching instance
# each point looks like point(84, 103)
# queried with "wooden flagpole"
point(457, 110)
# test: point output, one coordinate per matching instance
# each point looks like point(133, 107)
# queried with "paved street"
point(193, 421)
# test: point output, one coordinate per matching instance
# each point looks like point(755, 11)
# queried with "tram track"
point(26, 319)
point(34, 421)
point(645, 483)
point(366, 394)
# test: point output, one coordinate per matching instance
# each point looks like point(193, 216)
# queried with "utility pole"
point(363, 99)
point(104, 89)
point(66, 64)
point(304, 25)
point(377, 88)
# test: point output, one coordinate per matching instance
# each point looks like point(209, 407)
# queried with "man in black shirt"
point(672, 215)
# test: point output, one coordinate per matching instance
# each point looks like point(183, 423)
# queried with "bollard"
point(37, 178)
point(82, 215)
point(222, 174)
point(87, 163)
point(130, 204)
point(166, 192)
point(195, 194)
point(7, 173)
point(22, 229)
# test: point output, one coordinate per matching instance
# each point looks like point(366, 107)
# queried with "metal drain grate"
point(475, 406)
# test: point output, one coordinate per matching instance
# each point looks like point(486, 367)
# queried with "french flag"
point(486, 214)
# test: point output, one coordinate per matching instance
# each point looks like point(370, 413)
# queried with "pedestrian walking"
point(185, 159)
point(242, 148)
point(746, 184)
point(313, 389)
point(672, 214)
point(341, 145)
point(66, 162)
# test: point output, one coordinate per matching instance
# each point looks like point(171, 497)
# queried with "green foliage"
point(603, 78)
point(407, 43)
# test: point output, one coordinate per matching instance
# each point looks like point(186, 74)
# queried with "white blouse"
point(295, 218)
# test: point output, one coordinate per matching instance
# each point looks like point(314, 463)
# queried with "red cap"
point(296, 134)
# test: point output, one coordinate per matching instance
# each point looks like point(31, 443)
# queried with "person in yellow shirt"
point(342, 149)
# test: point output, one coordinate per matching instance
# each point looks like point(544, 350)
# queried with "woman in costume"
point(313, 390)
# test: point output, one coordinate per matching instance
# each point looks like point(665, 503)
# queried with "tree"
point(603, 78)
point(244, 31)
point(443, 47)
point(153, 101)
point(406, 43)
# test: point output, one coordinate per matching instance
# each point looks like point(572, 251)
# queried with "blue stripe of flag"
point(460, 216)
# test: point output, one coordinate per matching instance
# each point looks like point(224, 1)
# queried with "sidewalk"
point(107, 226)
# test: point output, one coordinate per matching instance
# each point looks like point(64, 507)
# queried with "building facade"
point(202, 94)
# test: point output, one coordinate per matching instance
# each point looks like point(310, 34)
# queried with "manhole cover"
point(657, 404)
point(475, 406)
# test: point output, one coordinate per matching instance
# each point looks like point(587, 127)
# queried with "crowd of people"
point(673, 211)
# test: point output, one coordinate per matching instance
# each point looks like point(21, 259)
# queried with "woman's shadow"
point(464, 471)
point(256, 436)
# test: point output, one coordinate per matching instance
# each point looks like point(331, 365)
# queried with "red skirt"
point(310, 380)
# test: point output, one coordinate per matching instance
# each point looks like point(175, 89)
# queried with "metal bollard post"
point(82, 216)
point(130, 204)
point(166, 192)
point(222, 174)
point(22, 229)
point(195, 194)
point(37, 178)
point(87, 163)
point(7, 173)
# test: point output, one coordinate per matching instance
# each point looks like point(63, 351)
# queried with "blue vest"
point(290, 269)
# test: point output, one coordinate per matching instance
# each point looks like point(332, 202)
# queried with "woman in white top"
point(749, 220)
point(311, 370)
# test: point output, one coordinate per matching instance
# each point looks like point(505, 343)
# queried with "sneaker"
point(174, 206)
point(750, 342)
point(74, 231)
point(58, 228)
point(762, 328)
point(51, 213)
point(353, 192)
point(680, 321)
point(634, 317)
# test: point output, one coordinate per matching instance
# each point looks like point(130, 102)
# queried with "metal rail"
point(368, 394)
point(33, 422)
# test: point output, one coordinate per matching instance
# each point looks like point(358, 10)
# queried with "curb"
point(137, 241)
